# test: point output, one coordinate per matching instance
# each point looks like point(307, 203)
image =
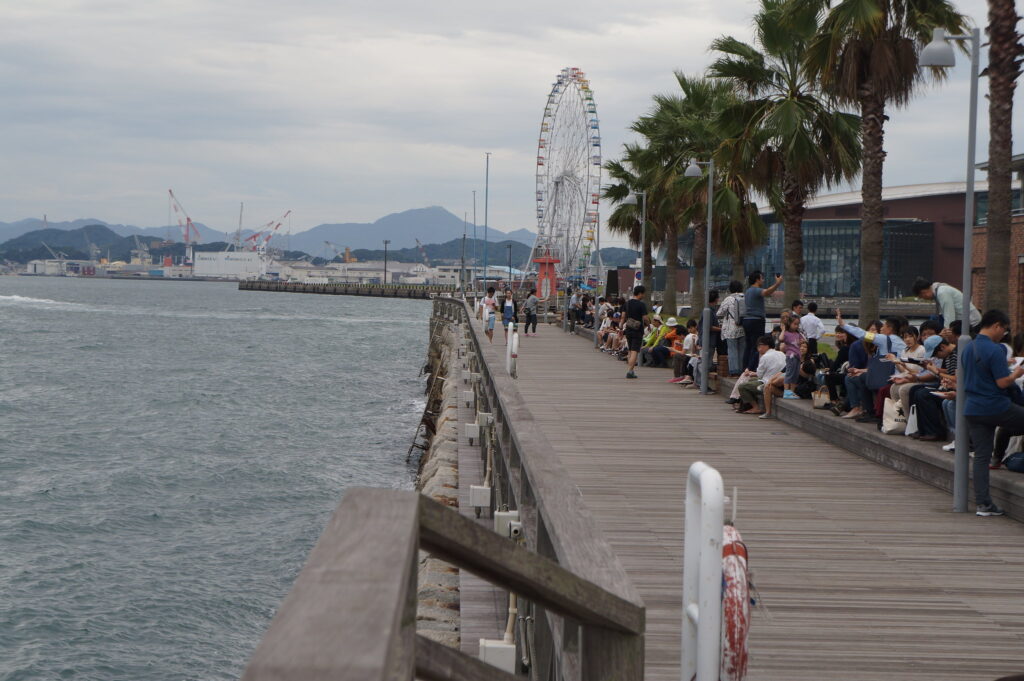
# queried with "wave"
point(39, 302)
point(46, 303)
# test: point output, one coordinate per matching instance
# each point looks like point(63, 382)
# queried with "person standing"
point(754, 317)
point(530, 308)
point(987, 382)
point(812, 327)
point(509, 311)
point(636, 319)
point(489, 307)
point(730, 317)
point(574, 310)
point(949, 302)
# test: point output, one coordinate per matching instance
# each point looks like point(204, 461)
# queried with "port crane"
point(423, 252)
point(346, 256)
point(263, 236)
point(188, 228)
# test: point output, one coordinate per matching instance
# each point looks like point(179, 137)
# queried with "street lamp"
point(632, 200)
point(510, 267)
point(939, 53)
point(386, 242)
point(487, 196)
point(693, 170)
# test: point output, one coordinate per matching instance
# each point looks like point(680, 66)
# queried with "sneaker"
point(686, 380)
point(630, 374)
point(765, 416)
point(675, 380)
point(790, 395)
point(951, 447)
point(986, 510)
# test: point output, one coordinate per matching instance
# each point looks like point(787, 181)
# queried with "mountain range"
point(430, 225)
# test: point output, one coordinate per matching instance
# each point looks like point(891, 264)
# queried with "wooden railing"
point(352, 611)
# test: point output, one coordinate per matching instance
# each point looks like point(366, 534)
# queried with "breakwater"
point(421, 291)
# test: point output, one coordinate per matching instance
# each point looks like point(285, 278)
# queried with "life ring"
point(735, 605)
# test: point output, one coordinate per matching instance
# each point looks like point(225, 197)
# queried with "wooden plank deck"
point(867, 574)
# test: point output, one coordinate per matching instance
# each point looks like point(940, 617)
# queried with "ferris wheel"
point(568, 185)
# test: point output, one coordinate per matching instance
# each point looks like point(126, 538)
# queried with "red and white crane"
point(262, 237)
point(187, 228)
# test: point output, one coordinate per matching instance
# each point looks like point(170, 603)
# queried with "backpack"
point(741, 307)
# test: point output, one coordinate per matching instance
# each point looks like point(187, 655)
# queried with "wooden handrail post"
point(351, 615)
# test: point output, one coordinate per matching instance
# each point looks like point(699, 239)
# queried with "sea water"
point(170, 452)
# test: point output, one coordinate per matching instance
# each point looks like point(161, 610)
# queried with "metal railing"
point(702, 573)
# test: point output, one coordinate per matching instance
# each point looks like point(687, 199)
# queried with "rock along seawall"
point(437, 615)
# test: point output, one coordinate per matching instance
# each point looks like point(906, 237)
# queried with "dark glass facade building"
point(832, 256)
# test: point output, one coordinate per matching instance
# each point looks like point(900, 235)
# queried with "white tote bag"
point(911, 421)
point(894, 422)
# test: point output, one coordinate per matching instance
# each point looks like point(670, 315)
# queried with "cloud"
point(348, 111)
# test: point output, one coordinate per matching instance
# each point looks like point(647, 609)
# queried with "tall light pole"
point(939, 53)
point(706, 352)
point(632, 200)
point(487, 192)
point(472, 278)
point(386, 242)
point(462, 266)
point(510, 267)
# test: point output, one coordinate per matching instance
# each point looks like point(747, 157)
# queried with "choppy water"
point(169, 453)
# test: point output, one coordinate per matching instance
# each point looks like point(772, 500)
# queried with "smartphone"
point(778, 274)
point(919, 362)
point(938, 393)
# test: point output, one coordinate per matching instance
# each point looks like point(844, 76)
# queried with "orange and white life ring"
point(735, 605)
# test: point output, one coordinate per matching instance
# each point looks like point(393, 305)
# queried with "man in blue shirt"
point(987, 377)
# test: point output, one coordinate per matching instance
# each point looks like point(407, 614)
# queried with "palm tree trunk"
point(794, 196)
point(698, 297)
point(671, 265)
point(738, 267)
point(1003, 69)
point(872, 111)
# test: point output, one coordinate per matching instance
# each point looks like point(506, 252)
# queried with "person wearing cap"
point(652, 340)
point(659, 354)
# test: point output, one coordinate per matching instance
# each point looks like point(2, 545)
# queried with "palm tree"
point(625, 219)
point(866, 54)
point(1004, 54)
point(683, 127)
point(793, 135)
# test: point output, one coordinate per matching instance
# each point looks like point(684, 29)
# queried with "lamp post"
point(632, 200)
point(462, 266)
point(939, 53)
point(386, 242)
point(472, 277)
point(510, 267)
point(487, 195)
point(707, 352)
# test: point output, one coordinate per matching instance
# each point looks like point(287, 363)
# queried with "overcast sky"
point(346, 111)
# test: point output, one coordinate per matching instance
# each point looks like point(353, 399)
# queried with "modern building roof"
point(909, 191)
point(1016, 164)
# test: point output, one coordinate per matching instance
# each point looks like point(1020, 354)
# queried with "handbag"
point(894, 421)
point(911, 421)
point(878, 371)
point(633, 324)
point(821, 398)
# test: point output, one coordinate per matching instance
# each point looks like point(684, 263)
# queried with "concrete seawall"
point(437, 615)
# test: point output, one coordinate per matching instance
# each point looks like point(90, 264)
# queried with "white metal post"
point(702, 574)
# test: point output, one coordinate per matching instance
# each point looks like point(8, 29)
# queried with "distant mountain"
point(72, 243)
point(10, 230)
point(432, 225)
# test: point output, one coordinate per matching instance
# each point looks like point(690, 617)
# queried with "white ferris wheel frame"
point(569, 177)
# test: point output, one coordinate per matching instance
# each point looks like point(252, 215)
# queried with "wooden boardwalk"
point(867, 574)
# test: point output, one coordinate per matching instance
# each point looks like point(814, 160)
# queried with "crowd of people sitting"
point(899, 377)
